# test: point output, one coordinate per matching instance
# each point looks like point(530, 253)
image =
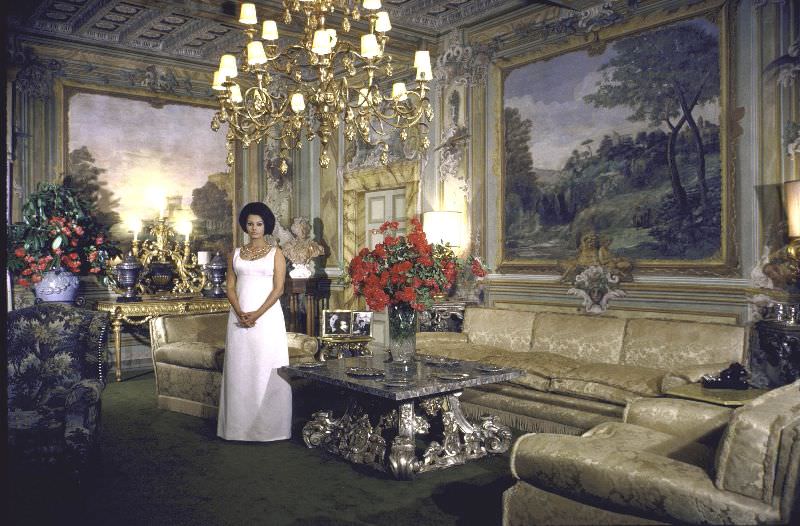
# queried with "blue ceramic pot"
point(57, 285)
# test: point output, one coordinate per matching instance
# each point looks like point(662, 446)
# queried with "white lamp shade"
point(269, 31)
point(792, 191)
point(369, 46)
point(297, 102)
point(184, 227)
point(334, 38)
point(399, 91)
point(322, 42)
point(372, 4)
point(255, 53)
point(217, 82)
point(382, 23)
point(422, 61)
point(227, 66)
point(236, 94)
point(443, 227)
point(248, 14)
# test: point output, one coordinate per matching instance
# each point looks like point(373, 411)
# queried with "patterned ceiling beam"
point(93, 12)
point(138, 23)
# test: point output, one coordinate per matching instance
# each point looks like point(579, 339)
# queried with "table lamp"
point(443, 227)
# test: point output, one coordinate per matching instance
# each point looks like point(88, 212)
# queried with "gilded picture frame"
point(542, 229)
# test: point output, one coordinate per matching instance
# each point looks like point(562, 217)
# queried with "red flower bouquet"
point(58, 230)
point(407, 269)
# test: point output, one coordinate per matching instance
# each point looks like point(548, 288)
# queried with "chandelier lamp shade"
point(291, 92)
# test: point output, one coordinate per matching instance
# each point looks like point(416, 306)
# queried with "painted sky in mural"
point(143, 147)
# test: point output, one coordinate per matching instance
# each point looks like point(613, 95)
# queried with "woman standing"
point(255, 402)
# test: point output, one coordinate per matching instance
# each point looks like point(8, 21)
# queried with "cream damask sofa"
point(581, 370)
point(188, 352)
point(671, 460)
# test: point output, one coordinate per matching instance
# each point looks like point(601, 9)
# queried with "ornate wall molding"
point(36, 76)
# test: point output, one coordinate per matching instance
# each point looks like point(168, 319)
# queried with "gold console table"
point(140, 312)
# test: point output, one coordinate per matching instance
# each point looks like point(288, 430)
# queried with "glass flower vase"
point(402, 332)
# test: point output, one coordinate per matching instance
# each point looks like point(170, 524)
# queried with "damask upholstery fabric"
point(188, 368)
point(539, 367)
point(56, 374)
point(432, 339)
point(526, 505)
point(579, 356)
point(587, 338)
point(530, 405)
point(198, 355)
point(506, 329)
point(609, 382)
point(748, 460)
point(696, 421)
point(665, 473)
point(666, 343)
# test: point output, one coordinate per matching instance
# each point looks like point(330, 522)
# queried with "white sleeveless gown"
point(255, 404)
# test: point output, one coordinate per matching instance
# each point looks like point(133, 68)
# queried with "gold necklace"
point(249, 253)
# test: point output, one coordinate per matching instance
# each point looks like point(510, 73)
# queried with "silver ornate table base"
point(353, 437)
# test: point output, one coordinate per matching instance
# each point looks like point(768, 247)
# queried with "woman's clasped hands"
point(248, 319)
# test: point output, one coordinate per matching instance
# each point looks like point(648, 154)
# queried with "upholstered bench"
point(188, 353)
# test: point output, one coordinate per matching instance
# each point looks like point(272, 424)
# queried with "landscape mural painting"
point(625, 143)
point(133, 158)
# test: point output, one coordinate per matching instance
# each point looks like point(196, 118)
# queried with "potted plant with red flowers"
point(58, 239)
point(403, 274)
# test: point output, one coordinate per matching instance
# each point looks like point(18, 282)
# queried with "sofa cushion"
point(197, 355)
point(668, 344)
point(584, 337)
point(539, 367)
point(618, 384)
point(509, 330)
point(461, 351)
point(749, 458)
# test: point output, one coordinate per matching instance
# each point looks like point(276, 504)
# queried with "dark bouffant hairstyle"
point(257, 209)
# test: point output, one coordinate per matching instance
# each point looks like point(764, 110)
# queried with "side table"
point(775, 361)
point(140, 312)
point(726, 397)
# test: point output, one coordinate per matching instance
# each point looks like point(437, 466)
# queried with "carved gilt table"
point(383, 418)
point(140, 312)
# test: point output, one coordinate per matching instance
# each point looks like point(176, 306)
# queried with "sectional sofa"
point(581, 370)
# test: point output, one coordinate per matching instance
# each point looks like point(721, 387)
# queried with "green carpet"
point(159, 467)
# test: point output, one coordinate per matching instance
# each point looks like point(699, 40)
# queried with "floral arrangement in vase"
point(58, 232)
point(405, 273)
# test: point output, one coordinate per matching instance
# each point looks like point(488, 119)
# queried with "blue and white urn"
point(57, 285)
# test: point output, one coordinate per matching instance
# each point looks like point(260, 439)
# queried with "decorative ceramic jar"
point(57, 285)
point(161, 275)
point(127, 275)
point(216, 274)
point(402, 332)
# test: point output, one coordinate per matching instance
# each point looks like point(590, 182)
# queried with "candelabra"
point(168, 265)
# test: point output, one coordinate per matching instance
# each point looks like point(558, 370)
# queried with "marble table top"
point(426, 376)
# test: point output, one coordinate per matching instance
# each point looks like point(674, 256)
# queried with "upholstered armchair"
point(56, 373)
point(671, 460)
point(188, 352)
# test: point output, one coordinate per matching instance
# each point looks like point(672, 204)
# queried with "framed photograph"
point(335, 323)
point(592, 145)
point(361, 323)
point(137, 156)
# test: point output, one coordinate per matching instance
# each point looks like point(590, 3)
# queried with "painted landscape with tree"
point(625, 143)
point(144, 147)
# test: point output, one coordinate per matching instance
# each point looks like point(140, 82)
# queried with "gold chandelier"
point(308, 88)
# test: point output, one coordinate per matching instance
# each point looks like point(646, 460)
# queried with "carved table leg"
point(116, 326)
point(354, 438)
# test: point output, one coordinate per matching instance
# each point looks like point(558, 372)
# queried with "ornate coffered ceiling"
point(200, 30)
